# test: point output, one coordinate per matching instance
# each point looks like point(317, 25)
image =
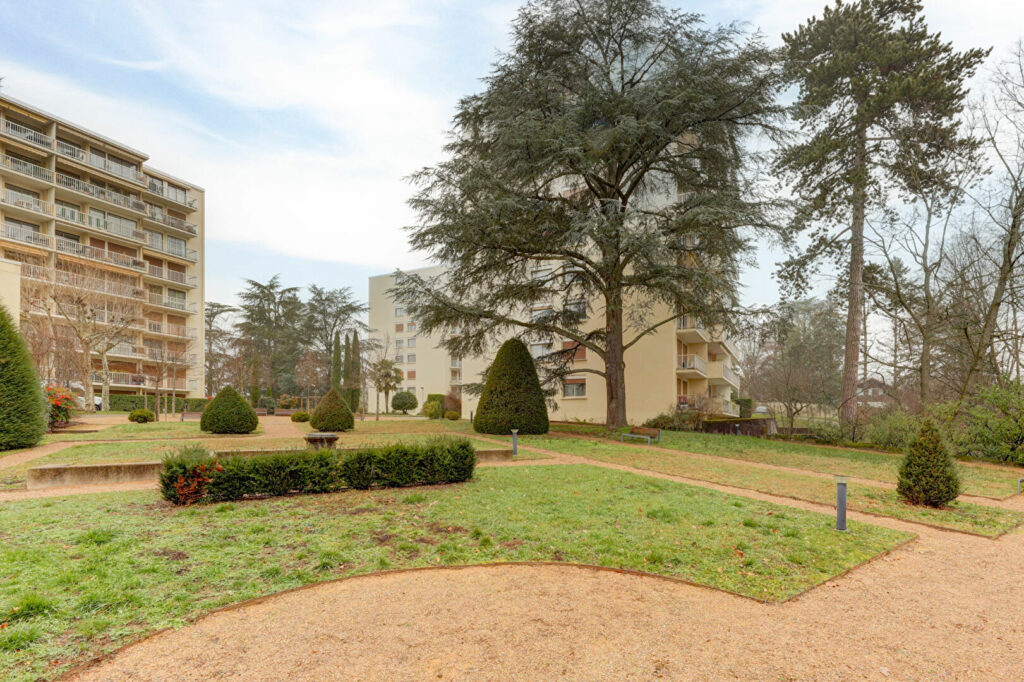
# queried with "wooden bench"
point(286, 412)
point(260, 411)
point(642, 433)
point(191, 415)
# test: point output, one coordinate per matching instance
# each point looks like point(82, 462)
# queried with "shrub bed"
point(193, 475)
point(128, 403)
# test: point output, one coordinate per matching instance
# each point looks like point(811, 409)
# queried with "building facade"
point(684, 366)
point(86, 215)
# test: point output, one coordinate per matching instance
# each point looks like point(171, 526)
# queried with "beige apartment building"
point(82, 212)
point(683, 366)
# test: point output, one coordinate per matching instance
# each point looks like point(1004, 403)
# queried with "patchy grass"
point(98, 571)
point(963, 516)
point(130, 431)
point(978, 479)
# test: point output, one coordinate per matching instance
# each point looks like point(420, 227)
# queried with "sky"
point(301, 119)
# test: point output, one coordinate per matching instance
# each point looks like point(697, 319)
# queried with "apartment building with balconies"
point(82, 211)
point(683, 366)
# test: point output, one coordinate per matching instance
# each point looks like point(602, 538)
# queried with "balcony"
point(707, 405)
point(726, 344)
point(92, 253)
point(182, 252)
point(72, 152)
point(177, 304)
point(172, 276)
point(25, 168)
point(27, 202)
point(28, 135)
point(689, 330)
point(26, 236)
point(691, 365)
point(721, 373)
point(171, 221)
point(159, 188)
point(70, 280)
point(127, 350)
point(175, 330)
point(101, 193)
point(76, 217)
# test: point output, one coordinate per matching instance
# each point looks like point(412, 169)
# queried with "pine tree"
point(880, 99)
point(512, 396)
point(928, 474)
point(23, 410)
point(336, 363)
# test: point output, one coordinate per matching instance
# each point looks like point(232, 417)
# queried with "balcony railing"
point(27, 134)
point(93, 253)
point(178, 252)
point(172, 276)
point(101, 193)
point(28, 202)
point(160, 188)
point(688, 322)
point(730, 375)
point(128, 350)
point(171, 221)
point(27, 236)
point(691, 361)
point(73, 281)
point(80, 155)
point(177, 304)
point(73, 215)
point(26, 168)
point(171, 330)
point(707, 405)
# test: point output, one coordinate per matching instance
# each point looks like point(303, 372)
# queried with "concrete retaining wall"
point(91, 474)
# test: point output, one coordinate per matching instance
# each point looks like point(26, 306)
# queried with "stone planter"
point(321, 441)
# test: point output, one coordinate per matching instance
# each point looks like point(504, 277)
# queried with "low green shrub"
point(404, 401)
point(332, 414)
point(267, 403)
point(432, 409)
point(746, 406)
point(228, 413)
point(675, 420)
point(891, 429)
point(993, 428)
point(829, 432)
point(452, 415)
point(192, 475)
point(127, 403)
point(928, 475)
point(141, 416)
point(300, 416)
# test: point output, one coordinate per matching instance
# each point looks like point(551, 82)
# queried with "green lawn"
point(130, 431)
point(978, 479)
point(964, 516)
point(85, 574)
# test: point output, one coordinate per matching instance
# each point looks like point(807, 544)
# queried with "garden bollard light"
point(515, 442)
point(841, 502)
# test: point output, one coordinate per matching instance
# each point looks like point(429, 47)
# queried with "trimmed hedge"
point(193, 475)
point(141, 416)
point(452, 415)
point(332, 414)
point(404, 401)
point(300, 416)
point(24, 412)
point(128, 403)
point(512, 397)
point(228, 413)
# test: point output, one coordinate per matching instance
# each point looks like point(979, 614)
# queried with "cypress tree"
point(928, 474)
point(356, 376)
point(512, 396)
point(336, 363)
point(23, 410)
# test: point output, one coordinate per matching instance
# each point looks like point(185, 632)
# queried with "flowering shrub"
point(61, 401)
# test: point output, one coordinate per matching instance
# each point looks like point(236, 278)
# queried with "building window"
point(398, 359)
point(539, 349)
point(539, 314)
point(581, 351)
point(411, 327)
point(574, 388)
point(577, 308)
point(399, 327)
point(175, 246)
point(411, 343)
point(411, 357)
point(399, 343)
point(399, 312)
point(540, 274)
point(411, 374)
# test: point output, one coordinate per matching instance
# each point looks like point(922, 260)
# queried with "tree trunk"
point(614, 364)
point(855, 300)
point(105, 399)
point(377, 418)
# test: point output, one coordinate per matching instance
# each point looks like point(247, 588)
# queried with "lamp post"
point(841, 482)
point(515, 442)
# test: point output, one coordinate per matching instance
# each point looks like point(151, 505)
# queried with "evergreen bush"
point(404, 401)
point(23, 408)
point(512, 397)
point(141, 416)
point(228, 413)
point(332, 414)
point(432, 409)
point(928, 474)
point(300, 416)
point(746, 406)
point(452, 415)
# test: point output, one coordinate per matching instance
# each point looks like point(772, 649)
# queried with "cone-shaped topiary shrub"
point(928, 474)
point(228, 413)
point(332, 414)
point(23, 410)
point(512, 397)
